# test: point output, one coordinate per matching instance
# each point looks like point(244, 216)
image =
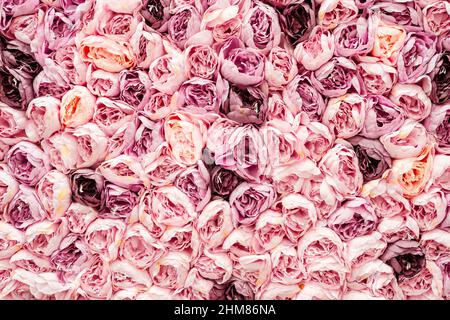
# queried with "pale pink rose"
point(441, 172)
point(23, 27)
point(412, 99)
point(161, 167)
point(354, 37)
point(29, 261)
point(110, 115)
point(95, 280)
point(249, 200)
point(170, 271)
point(148, 137)
point(427, 284)
point(197, 287)
point(115, 26)
point(280, 67)
point(386, 199)
point(319, 243)
point(407, 142)
point(223, 19)
point(146, 44)
point(54, 192)
point(345, 115)
point(329, 272)
point(107, 54)
point(201, 61)
point(436, 16)
point(8, 186)
point(255, 269)
point(277, 109)
point(146, 217)
point(103, 236)
point(354, 218)
point(435, 244)
point(238, 243)
point(102, 83)
point(24, 209)
point(13, 124)
point(183, 24)
point(437, 123)
point(159, 105)
point(62, 150)
point(214, 266)
point(11, 239)
point(341, 169)
point(79, 217)
point(118, 202)
point(314, 291)
point(363, 294)
point(127, 294)
point(363, 249)
point(158, 293)
point(333, 12)
point(44, 238)
point(389, 39)
point(91, 144)
point(70, 257)
point(316, 50)
point(316, 137)
point(286, 267)
point(398, 228)
point(43, 117)
point(124, 171)
point(121, 140)
point(268, 231)
point(77, 107)
point(167, 72)
point(429, 209)
point(125, 275)
point(299, 214)
point(379, 278)
point(214, 223)
point(172, 207)
point(7, 284)
point(412, 174)
point(139, 247)
point(183, 238)
point(186, 137)
point(378, 78)
point(41, 284)
point(277, 291)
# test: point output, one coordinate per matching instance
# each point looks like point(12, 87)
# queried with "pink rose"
point(124, 171)
point(194, 182)
point(317, 139)
point(429, 209)
point(378, 78)
point(441, 172)
point(167, 72)
point(389, 39)
point(276, 291)
point(333, 12)
point(103, 236)
point(435, 244)
point(363, 249)
point(13, 124)
point(125, 275)
point(161, 167)
point(437, 123)
point(110, 115)
point(316, 50)
point(102, 83)
point(43, 117)
point(268, 232)
point(77, 107)
point(214, 266)
point(255, 269)
point(183, 238)
point(8, 186)
point(118, 202)
point(79, 217)
point(239, 241)
point(44, 238)
point(12, 240)
point(427, 284)
point(201, 61)
point(146, 44)
point(280, 67)
point(398, 228)
point(171, 270)
point(286, 267)
point(95, 279)
point(54, 192)
point(412, 99)
point(354, 37)
point(436, 17)
point(201, 96)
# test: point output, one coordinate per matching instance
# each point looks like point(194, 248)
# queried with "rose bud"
point(214, 223)
point(239, 290)
point(412, 99)
point(269, 231)
point(43, 118)
point(372, 157)
point(438, 123)
point(27, 162)
point(239, 65)
point(77, 107)
point(429, 209)
point(426, 285)
point(378, 78)
point(299, 215)
point(156, 13)
point(170, 271)
point(44, 238)
point(13, 125)
point(87, 187)
point(24, 209)
point(103, 236)
point(223, 181)
point(285, 264)
point(318, 243)
point(363, 249)
point(415, 55)
point(118, 202)
point(134, 88)
point(382, 117)
point(110, 115)
point(436, 244)
point(255, 269)
point(167, 72)
point(405, 257)
point(280, 68)
point(345, 115)
point(316, 50)
point(333, 12)
point(297, 19)
point(107, 54)
point(95, 279)
point(341, 168)
point(249, 200)
point(354, 37)
point(102, 83)
point(201, 61)
point(12, 240)
point(246, 105)
point(54, 192)
point(79, 217)
point(336, 77)
point(353, 219)
point(436, 16)
point(139, 247)
point(260, 28)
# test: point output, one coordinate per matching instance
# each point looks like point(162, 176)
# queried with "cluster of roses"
point(224, 149)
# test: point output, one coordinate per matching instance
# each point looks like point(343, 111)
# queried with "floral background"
point(224, 149)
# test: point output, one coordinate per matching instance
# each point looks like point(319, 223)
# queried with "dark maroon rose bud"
point(223, 181)
point(297, 19)
point(156, 13)
point(87, 187)
point(246, 105)
point(440, 93)
point(405, 257)
point(239, 290)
